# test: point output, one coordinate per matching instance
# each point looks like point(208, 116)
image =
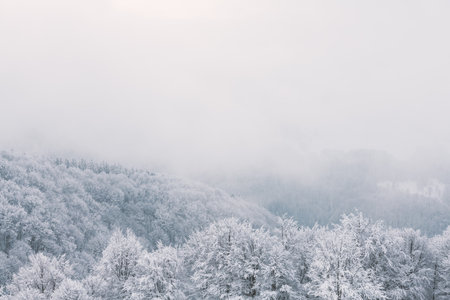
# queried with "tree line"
point(231, 259)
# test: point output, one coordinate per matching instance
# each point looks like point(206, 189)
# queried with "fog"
point(221, 86)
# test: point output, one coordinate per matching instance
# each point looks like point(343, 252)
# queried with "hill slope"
point(71, 207)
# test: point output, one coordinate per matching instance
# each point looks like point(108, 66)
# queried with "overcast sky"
point(202, 85)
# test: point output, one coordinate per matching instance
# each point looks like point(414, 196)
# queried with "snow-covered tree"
point(96, 287)
point(300, 242)
point(279, 275)
point(25, 295)
point(336, 271)
point(11, 226)
point(410, 273)
point(70, 290)
point(231, 259)
point(375, 245)
point(118, 264)
point(440, 284)
point(42, 275)
point(157, 276)
point(210, 258)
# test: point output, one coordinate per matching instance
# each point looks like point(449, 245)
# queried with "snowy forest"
point(75, 229)
point(224, 150)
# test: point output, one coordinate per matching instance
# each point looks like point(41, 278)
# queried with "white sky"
point(202, 85)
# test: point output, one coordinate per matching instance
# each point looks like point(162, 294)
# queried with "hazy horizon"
point(224, 86)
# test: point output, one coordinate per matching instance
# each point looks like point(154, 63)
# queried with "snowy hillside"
point(95, 231)
point(60, 207)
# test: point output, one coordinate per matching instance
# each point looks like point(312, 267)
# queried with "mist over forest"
point(401, 193)
point(224, 149)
